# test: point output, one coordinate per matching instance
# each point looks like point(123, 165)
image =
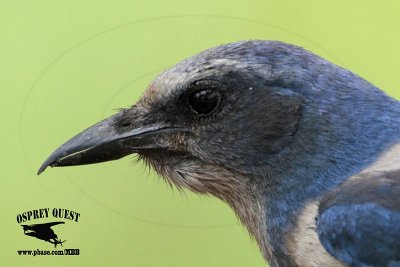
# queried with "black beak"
point(110, 139)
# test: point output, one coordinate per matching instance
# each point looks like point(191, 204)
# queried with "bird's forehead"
point(175, 80)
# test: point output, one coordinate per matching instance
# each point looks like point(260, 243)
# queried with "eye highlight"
point(204, 102)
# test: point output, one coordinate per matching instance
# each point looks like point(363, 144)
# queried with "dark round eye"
point(204, 102)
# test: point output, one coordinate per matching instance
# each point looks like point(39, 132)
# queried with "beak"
point(107, 140)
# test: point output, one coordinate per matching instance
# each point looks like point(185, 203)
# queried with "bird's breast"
point(303, 243)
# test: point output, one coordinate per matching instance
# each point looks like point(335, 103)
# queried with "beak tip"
point(42, 169)
point(44, 166)
point(51, 160)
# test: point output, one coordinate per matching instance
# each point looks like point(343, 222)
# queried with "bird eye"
point(204, 102)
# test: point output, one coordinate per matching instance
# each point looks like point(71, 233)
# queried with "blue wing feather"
point(361, 234)
point(359, 223)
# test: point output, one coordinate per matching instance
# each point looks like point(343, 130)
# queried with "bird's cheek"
point(177, 142)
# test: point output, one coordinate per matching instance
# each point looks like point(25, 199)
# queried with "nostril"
point(125, 124)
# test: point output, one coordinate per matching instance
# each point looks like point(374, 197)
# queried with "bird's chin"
point(163, 161)
point(171, 165)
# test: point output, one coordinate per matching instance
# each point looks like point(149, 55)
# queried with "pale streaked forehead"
point(185, 72)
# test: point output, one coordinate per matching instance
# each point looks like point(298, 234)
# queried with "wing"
point(50, 224)
point(359, 222)
point(40, 225)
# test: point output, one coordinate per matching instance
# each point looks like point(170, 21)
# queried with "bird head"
point(217, 113)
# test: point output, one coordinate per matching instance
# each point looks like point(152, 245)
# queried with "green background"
point(67, 64)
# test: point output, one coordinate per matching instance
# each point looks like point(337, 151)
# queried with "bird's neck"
point(249, 207)
point(325, 155)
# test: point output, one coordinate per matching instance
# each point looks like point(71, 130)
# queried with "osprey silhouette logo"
point(44, 232)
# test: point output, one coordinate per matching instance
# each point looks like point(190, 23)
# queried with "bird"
point(44, 232)
point(304, 151)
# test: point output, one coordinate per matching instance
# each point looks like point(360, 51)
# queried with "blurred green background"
point(67, 64)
